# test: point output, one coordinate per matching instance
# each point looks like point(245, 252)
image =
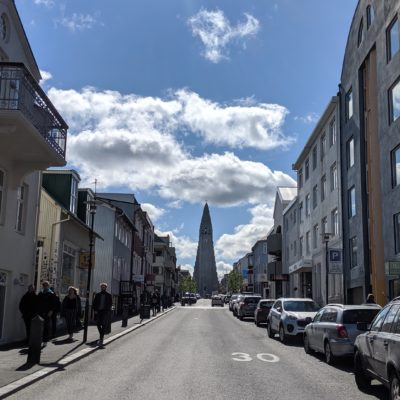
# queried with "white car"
point(289, 317)
point(217, 300)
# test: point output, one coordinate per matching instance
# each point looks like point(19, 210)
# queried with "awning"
point(300, 266)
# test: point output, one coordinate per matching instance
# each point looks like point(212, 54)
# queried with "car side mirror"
point(279, 309)
point(363, 326)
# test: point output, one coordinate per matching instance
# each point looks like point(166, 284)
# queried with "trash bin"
point(145, 312)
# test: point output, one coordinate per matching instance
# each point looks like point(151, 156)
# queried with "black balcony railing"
point(20, 91)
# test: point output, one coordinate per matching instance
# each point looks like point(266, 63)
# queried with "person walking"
point(164, 301)
point(102, 304)
point(370, 299)
point(158, 301)
point(29, 308)
point(154, 303)
point(47, 304)
point(57, 309)
point(71, 307)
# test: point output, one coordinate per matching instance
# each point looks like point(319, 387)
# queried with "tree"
point(188, 285)
point(235, 281)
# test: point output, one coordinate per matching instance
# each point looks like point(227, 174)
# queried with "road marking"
point(266, 357)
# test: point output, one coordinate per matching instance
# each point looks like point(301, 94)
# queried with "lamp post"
point(325, 238)
point(92, 209)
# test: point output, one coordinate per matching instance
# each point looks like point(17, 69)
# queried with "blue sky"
point(184, 101)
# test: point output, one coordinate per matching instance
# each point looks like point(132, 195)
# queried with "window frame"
point(314, 157)
point(315, 197)
point(335, 221)
point(22, 201)
point(396, 232)
point(370, 15)
point(349, 101)
point(351, 198)
point(389, 54)
point(315, 235)
point(332, 132)
point(334, 176)
point(306, 169)
point(360, 34)
point(323, 188)
point(353, 252)
point(392, 118)
point(395, 177)
point(350, 152)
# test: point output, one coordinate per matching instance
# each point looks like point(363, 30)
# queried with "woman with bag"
point(71, 308)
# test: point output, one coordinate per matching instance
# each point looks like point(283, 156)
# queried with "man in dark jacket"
point(29, 308)
point(102, 304)
point(47, 305)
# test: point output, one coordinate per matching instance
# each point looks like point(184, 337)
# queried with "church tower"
point(205, 269)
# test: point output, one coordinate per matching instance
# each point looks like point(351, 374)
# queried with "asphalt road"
point(199, 352)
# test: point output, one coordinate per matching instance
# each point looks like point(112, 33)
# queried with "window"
point(21, 202)
point(323, 188)
point(308, 205)
point(332, 132)
point(307, 169)
point(396, 166)
point(300, 211)
point(74, 195)
point(315, 196)
point(352, 201)
point(315, 236)
point(308, 242)
point(370, 15)
point(329, 315)
point(392, 39)
point(378, 321)
point(324, 225)
point(2, 193)
point(335, 221)
point(349, 104)
point(323, 146)
point(396, 219)
point(295, 248)
point(350, 152)
point(300, 178)
point(333, 177)
point(353, 252)
point(314, 157)
point(301, 240)
point(294, 217)
point(387, 324)
point(394, 101)
point(360, 37)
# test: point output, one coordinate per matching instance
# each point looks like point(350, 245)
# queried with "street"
point(199, 352)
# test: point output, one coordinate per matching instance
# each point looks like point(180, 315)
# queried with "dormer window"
point(3, 27)
point(74, 195)
point(360, 33)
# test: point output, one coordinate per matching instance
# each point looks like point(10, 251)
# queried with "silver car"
point(334, 329)
point(289, 317)
point(247, 305)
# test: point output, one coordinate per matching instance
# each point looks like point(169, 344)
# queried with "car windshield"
point(354, 316)
point(251, 300)
point(298, 305)
point(234, 296)
point(266, 304)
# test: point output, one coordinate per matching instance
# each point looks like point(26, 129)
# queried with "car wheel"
point(282, 335)
point(329, 357)
point(394, 387)
point(270, 332)
point(306, 345)
point(362, 381)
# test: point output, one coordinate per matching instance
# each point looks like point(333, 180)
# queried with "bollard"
point(125, 312)
point(35, 340)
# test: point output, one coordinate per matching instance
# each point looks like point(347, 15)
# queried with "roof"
point(287, 194)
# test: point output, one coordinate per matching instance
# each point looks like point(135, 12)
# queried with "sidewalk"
point(15, 373)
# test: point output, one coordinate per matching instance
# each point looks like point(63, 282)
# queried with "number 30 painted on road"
point(267, 357)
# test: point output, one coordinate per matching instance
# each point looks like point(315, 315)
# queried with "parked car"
point(188, 298)
point(232, 300)
point(247, 305)
point(262, 310)
point(198, 296)
point(235, 305)
point(334, 329)
point(227, 299)
point(217, 300)
point(289, 317)
point(377, 351)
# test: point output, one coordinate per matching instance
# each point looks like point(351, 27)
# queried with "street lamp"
point(92, 210)
point(325, 239)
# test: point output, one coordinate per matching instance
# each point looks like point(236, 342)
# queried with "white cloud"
point(175, 204)
point(309, 118)
point(216, 32)
point(46, 3)
point(236, 245)
point(77, 22)
point(223, 268)
point(188, 267)
point(184, 246)
point(154, 212)
point(45, 76)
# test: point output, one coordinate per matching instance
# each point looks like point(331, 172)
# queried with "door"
point(326, 326)
point(3, 288)
point(276, 311)
point(313, 328)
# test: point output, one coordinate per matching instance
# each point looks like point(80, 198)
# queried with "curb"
point(19, 384)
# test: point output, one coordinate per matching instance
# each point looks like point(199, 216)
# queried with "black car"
point(377, 351)
point(188, 298)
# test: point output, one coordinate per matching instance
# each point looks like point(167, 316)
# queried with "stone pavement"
point(15, 373)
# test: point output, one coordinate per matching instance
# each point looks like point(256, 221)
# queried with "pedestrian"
point(102, 304)
point(154, 303)
point(370, 299)
point(57, 309)
point(158, 301)
point(47, 304)
point(29, 308)
point(71, 307)
point(164, 301)
point(78, 324)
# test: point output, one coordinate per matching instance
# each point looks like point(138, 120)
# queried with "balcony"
point(274, 244)
point(33, 135)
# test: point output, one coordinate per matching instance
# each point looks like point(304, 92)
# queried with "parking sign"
point(335, 261)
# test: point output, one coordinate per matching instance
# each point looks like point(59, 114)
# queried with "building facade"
point(260, 262)
point(370, 110)
point(32, 138)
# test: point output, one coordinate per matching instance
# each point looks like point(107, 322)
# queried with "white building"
point(32, 138)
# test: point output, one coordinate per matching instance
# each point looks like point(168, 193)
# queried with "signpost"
point(335, 261)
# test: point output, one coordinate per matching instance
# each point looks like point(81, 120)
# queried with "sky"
point(186, 101)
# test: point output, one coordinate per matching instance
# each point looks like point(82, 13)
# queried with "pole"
point(326, 272)
point(86, 321)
